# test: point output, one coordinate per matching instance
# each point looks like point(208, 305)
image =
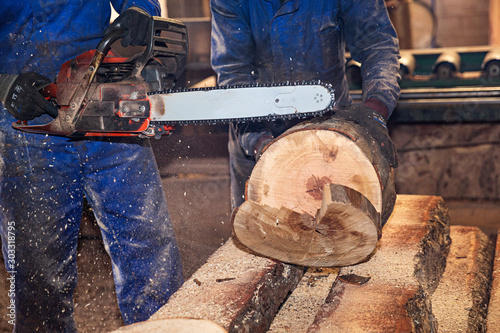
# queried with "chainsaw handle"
point(105, 44)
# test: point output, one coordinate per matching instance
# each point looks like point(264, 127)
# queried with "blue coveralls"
point(44, 179)
point(264, 41)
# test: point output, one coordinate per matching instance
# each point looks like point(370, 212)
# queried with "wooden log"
point(345, 230)
point(235, 289)
point(460, 303)
point(403, 272)
point(493, 321)
point(327, 177)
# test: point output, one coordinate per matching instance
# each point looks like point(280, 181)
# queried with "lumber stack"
point(405, 286)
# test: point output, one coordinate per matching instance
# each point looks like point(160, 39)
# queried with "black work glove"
point(135, 24)
point(19, 95)
point(259, 146)
point(375, 123)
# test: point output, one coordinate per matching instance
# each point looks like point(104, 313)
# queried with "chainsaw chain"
point(249, 119)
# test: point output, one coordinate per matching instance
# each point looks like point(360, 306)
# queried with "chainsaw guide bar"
point(241, 103)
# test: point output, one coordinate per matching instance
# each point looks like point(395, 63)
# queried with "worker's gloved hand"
point(135, 24)
point(259, 146)
point(19, 95)
point(369, 115)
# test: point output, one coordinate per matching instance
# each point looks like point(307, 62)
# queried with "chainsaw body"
point(101, 93)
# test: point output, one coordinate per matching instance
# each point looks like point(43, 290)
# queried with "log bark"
point(460, 303)
point(403, 272)
point(318, 196)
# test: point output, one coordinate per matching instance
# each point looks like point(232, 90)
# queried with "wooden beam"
point(235, 289)
point(403, 272)
point(493, 322)
point(460, 303)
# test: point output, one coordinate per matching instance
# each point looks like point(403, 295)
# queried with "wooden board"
point(174, 325)
point(460, 302)
point(403, 272)
point(235, 289)
point(493, 321)
point(243, 292)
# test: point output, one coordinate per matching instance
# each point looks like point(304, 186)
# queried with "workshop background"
point(452, 153)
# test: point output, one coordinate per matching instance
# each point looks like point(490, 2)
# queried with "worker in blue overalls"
point(264, 41)
point(43, 179)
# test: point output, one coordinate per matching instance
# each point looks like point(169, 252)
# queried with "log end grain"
point(344, 231)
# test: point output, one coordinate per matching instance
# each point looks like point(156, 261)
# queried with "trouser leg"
point(42, 207)
point(124, 189)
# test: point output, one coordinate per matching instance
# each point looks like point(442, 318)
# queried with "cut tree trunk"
point(318, 196)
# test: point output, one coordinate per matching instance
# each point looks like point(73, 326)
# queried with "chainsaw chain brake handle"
point(166, 44)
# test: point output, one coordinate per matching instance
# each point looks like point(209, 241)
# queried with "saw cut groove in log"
point(344, 231)
point(318, 196)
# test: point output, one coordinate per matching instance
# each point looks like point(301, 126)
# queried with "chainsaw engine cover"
point(114, 105)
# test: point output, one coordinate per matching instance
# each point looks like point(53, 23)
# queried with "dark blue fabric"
point(41, 35)
point(44, 179)
point(264, 41)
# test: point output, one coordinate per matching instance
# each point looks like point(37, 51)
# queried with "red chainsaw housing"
point(114, 108)
point(100, 93)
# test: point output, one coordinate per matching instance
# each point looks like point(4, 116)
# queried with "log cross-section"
point(318, 196)
point(344, 231)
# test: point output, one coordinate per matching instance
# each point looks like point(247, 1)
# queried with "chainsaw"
point(101, 93)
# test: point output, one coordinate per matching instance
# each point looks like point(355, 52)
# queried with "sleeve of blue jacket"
point(232, 34)
point(151, 6)
point(373, 42)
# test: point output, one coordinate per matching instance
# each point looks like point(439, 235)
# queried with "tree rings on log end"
point(345, 230)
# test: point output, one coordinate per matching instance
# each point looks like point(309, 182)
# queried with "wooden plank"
point(174, 325)
point(303, 304)
point(460, 302)
point(493, 321)
point(403, 272)
point(235, 289)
